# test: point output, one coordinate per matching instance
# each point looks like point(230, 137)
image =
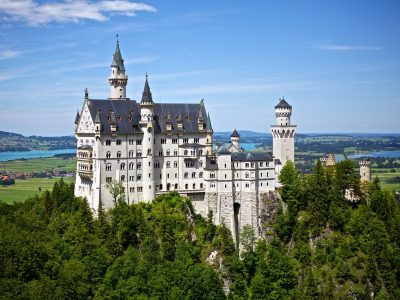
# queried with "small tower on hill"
point(328, 160)
point(235, 139)
point(118, 79)
point(283, 133)
point(365, 170)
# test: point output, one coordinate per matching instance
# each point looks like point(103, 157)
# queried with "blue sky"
point(337, 62)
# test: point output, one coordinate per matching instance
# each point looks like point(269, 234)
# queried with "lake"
point(6, 156)
point(372, 154)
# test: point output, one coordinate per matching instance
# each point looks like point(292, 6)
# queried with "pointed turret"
point(209, 126)
point(77, 117)
point(97, 119)
point(146, 96)
point(235, 140)
point(118, 80)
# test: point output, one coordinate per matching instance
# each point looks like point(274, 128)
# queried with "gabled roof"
point(235, 134)
point(283, 104)
point(146, 96)
point(117, 60)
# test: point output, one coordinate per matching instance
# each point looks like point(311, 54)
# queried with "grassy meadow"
point(25, 188)
point(389, 181)
point(39, 165)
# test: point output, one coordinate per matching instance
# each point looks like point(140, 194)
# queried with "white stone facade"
point(154, 148)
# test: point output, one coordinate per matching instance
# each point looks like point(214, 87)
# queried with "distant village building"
point(328, 160)
point(154, 148)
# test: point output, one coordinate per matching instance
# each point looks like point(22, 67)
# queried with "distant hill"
point(10, 141)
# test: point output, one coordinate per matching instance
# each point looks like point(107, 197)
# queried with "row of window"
point(131, 153)
point(139, 141)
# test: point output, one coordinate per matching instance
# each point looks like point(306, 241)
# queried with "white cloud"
point(5, 54)
point(333, 47)
point(35, 13)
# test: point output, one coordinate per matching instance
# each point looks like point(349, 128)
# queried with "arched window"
point(186, 175)
point(122, 177)
point(119, 154)
point(131, 153)
point(168, 152)
point(160, 187)
point(201, 152)
point(186, 186)
point(149, 151)
point(185, 152)
point(201, 185)
point(108, 167)
point(122, 166)
point(201, 175)
point(175, 164)
point(194, 175)
point(139, 165)
point(194, 186)
point(131, 166)
point(139, 154)
point(168, 164)
point(176, 186)
point(108, 154)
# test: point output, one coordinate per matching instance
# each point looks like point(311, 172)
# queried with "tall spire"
point(118, 79)
point(118, 62)
point(146, 96)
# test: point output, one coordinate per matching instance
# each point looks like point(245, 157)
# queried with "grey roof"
point(146, 96)
point(223, 149)
point(235, 134)
point(127, 115)
point(283, 104)
point(117, 59)
point(251, 156)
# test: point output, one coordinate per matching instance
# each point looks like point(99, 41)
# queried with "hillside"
point(319, 246)
point(16, 142)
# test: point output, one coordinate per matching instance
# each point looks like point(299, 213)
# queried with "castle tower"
point(283, 133)
point(235, 140)
point(147, 125)
point(365, 170)
point(117, 79)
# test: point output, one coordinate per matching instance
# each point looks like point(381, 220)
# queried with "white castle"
point(154, 148)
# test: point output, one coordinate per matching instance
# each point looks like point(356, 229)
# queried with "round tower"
point(117, 79)
point(365, 170)
point(283, 133)
point(235, 139)
point(147, 125)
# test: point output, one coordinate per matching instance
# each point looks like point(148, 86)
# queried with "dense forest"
point(51, 247)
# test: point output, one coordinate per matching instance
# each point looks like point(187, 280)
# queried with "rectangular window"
point(140, 189)
point(108, 179)
point(138, 142)
point(163, 141)
point(196, 140)
point(185, 140)
point(118, 142)
point(174, 141)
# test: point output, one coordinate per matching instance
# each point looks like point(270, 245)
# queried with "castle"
point(154, 148)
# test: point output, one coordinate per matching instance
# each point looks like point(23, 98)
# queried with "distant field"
point(23, 189)
point(39, 165)
point(389, 181)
